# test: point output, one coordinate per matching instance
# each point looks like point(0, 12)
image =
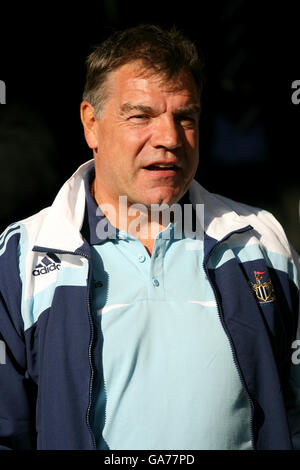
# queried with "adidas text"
point(46, 269)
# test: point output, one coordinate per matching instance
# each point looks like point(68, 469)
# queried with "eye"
point(186, 121)
point(139, 118)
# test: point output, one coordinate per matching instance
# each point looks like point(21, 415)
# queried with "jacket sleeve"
point(293, 397)
point(17, 390)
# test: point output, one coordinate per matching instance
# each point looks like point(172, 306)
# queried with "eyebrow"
point(188, 109)
point(128, 107)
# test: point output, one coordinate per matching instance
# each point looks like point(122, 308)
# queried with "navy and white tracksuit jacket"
point(48, 337)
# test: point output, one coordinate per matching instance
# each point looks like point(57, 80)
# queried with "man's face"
point(147, 138)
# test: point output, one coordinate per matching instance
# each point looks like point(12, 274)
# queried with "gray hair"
point(166, 53)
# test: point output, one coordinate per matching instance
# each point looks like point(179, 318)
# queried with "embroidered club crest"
point(264, 291)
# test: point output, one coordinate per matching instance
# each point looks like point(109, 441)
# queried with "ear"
point(88, 120)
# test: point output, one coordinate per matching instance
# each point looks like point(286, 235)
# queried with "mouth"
point(162, 169)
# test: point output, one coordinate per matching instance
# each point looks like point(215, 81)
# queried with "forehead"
point(133, 82)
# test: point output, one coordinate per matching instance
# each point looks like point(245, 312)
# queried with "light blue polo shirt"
point(168, 376)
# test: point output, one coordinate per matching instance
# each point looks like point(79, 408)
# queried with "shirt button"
point(122, 234)
point(141, 258)
point(155, 282)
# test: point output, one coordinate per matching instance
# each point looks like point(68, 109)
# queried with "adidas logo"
point(46, 265)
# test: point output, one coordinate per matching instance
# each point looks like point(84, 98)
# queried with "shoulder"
point(16, 243)
point(223, 215)
point(21, 233)
point(263, 221)
point(270, 234)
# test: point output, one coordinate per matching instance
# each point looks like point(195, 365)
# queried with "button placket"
point(156, 274)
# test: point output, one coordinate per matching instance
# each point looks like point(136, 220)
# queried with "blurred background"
point(249, 129)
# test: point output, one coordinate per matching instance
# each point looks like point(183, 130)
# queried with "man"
point(127, 329)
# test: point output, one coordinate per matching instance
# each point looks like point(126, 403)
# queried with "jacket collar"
point(61, 227)
point(220, 219)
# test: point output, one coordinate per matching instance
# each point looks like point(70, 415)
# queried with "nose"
point(166, 134)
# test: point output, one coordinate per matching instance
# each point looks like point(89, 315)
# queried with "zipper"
point(80, 253)
point(90, 361)
point(220, 314)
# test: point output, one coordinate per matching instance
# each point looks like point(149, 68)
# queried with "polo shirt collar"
point(94, 215)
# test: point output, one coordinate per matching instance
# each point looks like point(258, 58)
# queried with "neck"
point(142, 224)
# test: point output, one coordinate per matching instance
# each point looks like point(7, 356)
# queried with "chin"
point(163, 199)
point(159, 196)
